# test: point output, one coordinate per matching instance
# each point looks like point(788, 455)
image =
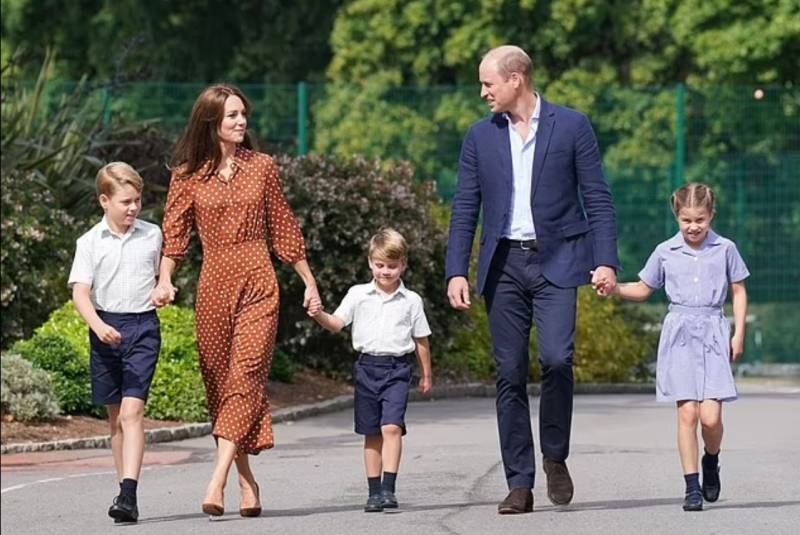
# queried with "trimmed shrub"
point(61, 346)
point(68, 368)
point(26, 393)
point(177, 391)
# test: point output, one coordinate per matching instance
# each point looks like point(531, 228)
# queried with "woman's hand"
point(163, 294)
point(311, 300)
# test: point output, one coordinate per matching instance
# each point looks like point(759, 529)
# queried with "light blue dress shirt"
point(520, 225)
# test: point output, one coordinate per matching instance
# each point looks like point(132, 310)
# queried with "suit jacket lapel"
point(504, 152)
point(545, 130)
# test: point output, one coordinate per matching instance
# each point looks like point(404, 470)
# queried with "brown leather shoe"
point(518, 501)
point(559, 483)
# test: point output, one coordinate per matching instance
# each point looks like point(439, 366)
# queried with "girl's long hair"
point(199, 144)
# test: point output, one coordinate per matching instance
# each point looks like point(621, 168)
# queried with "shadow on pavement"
point(677, 501)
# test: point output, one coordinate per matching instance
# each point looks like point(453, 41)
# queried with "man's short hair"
point(115, 175)
point(510, 58)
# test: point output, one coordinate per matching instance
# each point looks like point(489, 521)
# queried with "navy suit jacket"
point(570, 198)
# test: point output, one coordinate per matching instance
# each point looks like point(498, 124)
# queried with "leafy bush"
point(68, 368)
point(26, 392)
point(282, 367)
point(177, 392)
point(612, 344)
point(61, 346)
point(340, 204)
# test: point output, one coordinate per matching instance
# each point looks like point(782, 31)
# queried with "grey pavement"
point(623, 461)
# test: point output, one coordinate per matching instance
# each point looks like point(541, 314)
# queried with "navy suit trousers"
point(517, 295)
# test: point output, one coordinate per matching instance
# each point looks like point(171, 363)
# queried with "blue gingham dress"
point(694, 349)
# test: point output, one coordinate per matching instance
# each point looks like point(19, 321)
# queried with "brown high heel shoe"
point(252, 511)
point(213, 509)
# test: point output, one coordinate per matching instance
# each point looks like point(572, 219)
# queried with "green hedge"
point(612, 344)
point(61, 346)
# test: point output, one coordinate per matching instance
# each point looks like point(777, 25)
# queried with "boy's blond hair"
point(115, 175)
point(388, 244)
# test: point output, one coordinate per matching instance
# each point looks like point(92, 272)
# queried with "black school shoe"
point(693, 501)
point(388, 499)
point(711, 484)
point(374, 504)
point(124, 509)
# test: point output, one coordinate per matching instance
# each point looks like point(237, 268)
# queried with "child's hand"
point(163, 295)
point(108, 334)
point(737, 347)
point(604, 281)
point(312, 302)
point(425, 385)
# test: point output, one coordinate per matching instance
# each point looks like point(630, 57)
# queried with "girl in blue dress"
point(695, 267)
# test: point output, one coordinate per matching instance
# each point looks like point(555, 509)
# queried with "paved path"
point(623, 461)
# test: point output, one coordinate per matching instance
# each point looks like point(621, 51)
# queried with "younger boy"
point(389, 326)
point(113, 277)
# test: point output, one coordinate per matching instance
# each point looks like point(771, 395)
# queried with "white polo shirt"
point(121, 270)
point(383, 324)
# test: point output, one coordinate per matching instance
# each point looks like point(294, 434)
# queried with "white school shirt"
point(121, 270)
point(383, 324)
point(520, 224)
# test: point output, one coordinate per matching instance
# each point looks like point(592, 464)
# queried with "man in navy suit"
point(548, 227)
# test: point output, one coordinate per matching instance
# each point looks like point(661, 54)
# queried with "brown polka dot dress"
point(239, 220)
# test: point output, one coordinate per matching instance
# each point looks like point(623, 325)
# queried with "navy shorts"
point(127, 369)
point(381, 396)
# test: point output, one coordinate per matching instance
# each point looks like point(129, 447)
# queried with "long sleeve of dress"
point(178, 218)
point(285, 236)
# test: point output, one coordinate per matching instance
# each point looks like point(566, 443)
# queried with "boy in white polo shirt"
point(389, 327)
point(113, 277)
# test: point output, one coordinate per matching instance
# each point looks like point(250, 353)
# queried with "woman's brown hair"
point(199, 142)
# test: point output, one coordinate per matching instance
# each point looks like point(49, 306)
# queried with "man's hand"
point(604, 280)
point(458, 293)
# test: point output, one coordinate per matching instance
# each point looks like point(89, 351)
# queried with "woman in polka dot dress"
point(234, 198)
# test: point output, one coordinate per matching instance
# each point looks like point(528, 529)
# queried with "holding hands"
point(604, 281)
point(163, 294)
point(312, 301)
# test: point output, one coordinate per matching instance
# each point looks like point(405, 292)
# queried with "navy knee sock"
point(128, 488)
point(710, 461)
point(374, 485)
point(692, 482)
point(389, 479)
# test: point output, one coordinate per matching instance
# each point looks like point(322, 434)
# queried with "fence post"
point(680, 147)
point(680, 135)
point(302, 118)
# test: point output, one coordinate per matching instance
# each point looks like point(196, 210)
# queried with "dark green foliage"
point(340, 204)
point(68, 368)
point(283, 367)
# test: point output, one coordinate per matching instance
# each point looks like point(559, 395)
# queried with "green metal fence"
point(743, 141)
